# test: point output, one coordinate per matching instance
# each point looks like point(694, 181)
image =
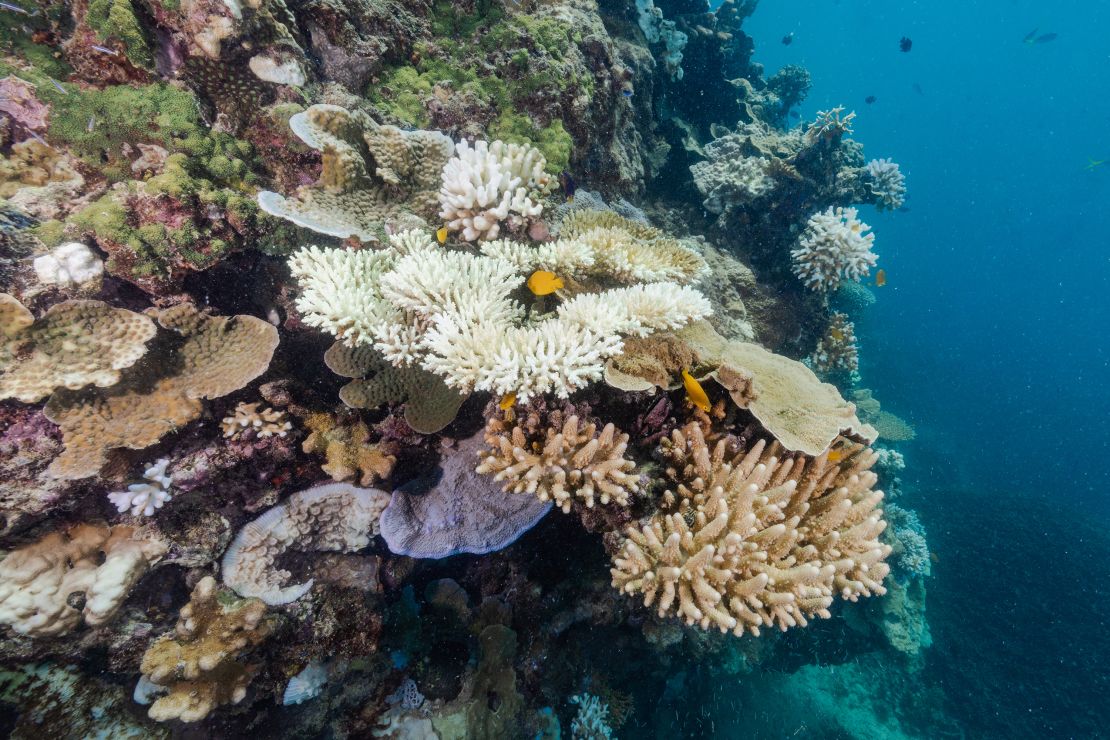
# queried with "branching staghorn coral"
point(592, 720)
point(453, 314)
point(334, 517)
point(248, 420)
point(887, 183)
point(570, 462)
point(75, 344)
point(831, 124)
point(143, 499)
point(760, 541)
point(372, 174)
point(835, 246)
point(38, 581)
point(198, 664)
point(485, 185)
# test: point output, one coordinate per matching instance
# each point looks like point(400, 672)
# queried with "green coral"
point(116, 19)
point(553, 140)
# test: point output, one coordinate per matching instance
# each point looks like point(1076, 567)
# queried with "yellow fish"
point(695, 394)
point(543, 282)
point(441, 234)
point(835, 456)
point(507, 401)
point(880, 278)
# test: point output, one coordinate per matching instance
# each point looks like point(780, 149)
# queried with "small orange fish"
point(695, 394)
point(507, 401)
point(835, 456)
point(543, 282)
point(880, 278)
point(441, 234)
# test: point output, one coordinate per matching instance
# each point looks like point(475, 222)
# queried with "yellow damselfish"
point(543, 282)
point(507, 401)
point(695, 394)
point(441, 234)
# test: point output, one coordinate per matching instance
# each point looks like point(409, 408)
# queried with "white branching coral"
point(247, 419)
point(887, 183)
point(453, 314)
point(486, 184)
point(756, 540)
point(835, 246)
point(592, 720)
point(830, 123)
point(143, 499)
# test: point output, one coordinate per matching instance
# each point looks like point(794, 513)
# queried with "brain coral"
point(199, 357)
point(372, 174)
point(75, 344)
point(754, 540)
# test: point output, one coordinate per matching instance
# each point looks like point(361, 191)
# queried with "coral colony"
point(297, 304)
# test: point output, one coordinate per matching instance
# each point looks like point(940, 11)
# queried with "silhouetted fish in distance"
point(870, 99)
point(917, 89)
point(788, 39)
point(905, 44)
point(1032, 37)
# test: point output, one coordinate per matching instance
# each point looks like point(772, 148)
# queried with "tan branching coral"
point(372, 174)
point(756, 541)
point(571, 461)
point(630, 251)
point(248, 419)
point(345, 444)
point(74, 344)
point(197, 357)
point(836, 352)
point(102, 563)
point(430, 404)
point(335, 517)
point(199, 664)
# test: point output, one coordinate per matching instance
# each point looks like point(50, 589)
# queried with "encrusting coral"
point(101, 563)
point(485, 185)
point(372, 174)
point(835, 246)
point(334, 517)
point(248, 420)
point(570, 462)
point(145, 498)
point(754, 540)
point(74, 344)
point(344, 441)
point(203, 357)
point(199, 663)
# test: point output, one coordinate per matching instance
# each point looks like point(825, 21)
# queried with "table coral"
point(74, 344)
point(569, 463)
point(199, 663)
point(835, 246)
point(372, 174)
point(199, 357)
point(334, 517)
point(764, 541)
point(102, 563)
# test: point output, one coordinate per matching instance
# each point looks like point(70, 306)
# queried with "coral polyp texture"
point(487, 185)
point(570, 462)
point(372, 174)
point(756, 540)
point(103, 563)
point(834, 247)
point(199, 666)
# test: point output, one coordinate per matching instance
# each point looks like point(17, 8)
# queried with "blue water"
point(991, 335)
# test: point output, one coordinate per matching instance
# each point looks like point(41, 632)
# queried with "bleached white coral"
point(143, 499)
point(563, 256)
point(887, 183)
point(69, 265)
point(592, 720)
point(247, 418)
point(487, 184)
point(832, 123)
point(834, 246)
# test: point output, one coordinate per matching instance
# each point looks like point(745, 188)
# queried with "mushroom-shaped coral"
point(485, 185)
point(198, 357)
point(334, 517)
point(74, 344)
point(372, 174)
point(38, 581)
point(835, 246)
point(145, 498)
point(457, 511)
point(760, 541)
point(571, 461)
point(199, 663)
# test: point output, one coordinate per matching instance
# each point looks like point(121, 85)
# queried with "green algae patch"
point(553, 140)
point(115, 19)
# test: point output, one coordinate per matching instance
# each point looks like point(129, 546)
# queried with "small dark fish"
point(1045, 38)
point(567, 183)
point(788, 39)
point(870, 99)
point(1030, 36)
point(917, 89)
point(906, 43)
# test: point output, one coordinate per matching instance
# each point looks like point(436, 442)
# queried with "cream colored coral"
point(485, 185)
point(38, 581)
point(74, 344)
point(572, 462)
point(630, 251)
point(199, 664)
point(246, 417)
point(335, 517)
point(564, 257)
point(835, 246)
point(757, 541)
point(836, 351)
point(143, 499)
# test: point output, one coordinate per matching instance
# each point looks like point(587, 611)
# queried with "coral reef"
point(335, 517)
point(756, 541)
point(835, 246)
point(70, 265)
point(592, 720)
point(887, 183)
point(836, 353)
point(247, 420)
point(345, 444)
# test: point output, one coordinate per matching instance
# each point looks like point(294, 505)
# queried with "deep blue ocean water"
point(992, 333)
